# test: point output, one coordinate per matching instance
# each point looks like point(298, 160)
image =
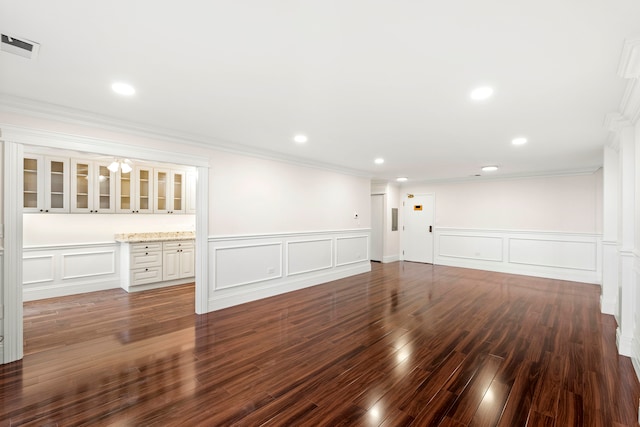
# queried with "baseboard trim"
point(36, 293)
point(391, 258)
point(607, 307)
point(625, 344)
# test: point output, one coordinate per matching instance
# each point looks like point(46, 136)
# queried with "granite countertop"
point(155, 237)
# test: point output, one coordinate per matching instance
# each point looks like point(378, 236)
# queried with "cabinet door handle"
point(146, 269)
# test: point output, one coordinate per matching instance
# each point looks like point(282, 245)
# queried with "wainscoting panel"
point(53, 271)
point(471, 247)
point(232, 268)
point(351, 250)
point(75, 266)
point(37, 269)
point(564, 256)
point(247, 268)
point(307, 256)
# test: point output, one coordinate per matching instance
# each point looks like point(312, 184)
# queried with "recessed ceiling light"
point(300, 139)
point(123, 88)
point(519, 141)
point(481, 93)
point(379, 161)
point(402, 179)
point(489, 168)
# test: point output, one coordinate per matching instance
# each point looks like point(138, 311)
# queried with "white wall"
point(61, 229)
point(250, 195)
point(557, 203)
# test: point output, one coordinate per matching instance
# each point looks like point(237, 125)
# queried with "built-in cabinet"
point(169, 189)
point(92, 187)
point(157, 264)
point(46, 184)
point(63, 185)
point(135, 190)
point(178, 260)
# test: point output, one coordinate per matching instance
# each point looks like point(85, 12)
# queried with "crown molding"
point(630, 104)
point(507, 177)
point(629, 65)
point(42, 110)
point(616, 121)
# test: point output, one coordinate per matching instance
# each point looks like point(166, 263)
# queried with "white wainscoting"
point(564, 256)
point(635, 355)
point(53, 271)
point(2, 317)
point(247, 268)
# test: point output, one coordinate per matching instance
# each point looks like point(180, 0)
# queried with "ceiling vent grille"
point(21, 47)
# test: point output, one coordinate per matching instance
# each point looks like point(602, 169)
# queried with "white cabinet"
point(178, 260)
point(46, 184)
point(134, 190)
point(151, 265)
point(92, 187)
point(169, 189)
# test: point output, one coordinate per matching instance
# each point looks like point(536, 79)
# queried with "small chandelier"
point(122, 164)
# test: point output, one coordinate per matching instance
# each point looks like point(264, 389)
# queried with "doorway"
point(377, 227)
point(419, 217)
point(14, 140)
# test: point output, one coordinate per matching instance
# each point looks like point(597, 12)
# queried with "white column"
point(610, 262)
point(12, 272)
point(626, 243)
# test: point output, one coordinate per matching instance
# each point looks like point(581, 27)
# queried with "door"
point(377, 226)
point(418, 228)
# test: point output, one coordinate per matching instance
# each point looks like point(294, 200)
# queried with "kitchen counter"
point(155, 236)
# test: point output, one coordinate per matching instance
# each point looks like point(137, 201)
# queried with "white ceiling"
point(361, 78)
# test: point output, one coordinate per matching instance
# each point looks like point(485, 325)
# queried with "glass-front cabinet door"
point(144, 189)
point(56, 185)
point(33, 183)
point(81, 186)
point(45, 184)
point(178, 185)
point(92, 187)
point(162, 191)
point(104, 188)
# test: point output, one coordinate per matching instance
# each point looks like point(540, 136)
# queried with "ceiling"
point(361, 78)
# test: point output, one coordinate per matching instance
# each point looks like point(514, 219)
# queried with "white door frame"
point(15, 138)
point(405, 201)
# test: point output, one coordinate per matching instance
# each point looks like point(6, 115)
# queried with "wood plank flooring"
point(405, 345)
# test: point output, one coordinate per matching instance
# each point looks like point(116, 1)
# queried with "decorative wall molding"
point(31, 108)
point(247, 268)
point(629, 65)
point(564, 256)
point(307, 256)
point(60, 270)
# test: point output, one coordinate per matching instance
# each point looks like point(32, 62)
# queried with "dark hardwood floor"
point(407, 344)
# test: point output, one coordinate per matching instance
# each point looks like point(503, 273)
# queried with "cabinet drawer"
point(146, 247)
point(146, 259)
point(143, 276)
point(181, 244)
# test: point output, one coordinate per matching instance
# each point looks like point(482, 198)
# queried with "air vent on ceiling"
point(21, 47)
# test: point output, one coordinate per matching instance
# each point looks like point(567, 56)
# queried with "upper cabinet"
point(170, 190)
point(56, 184)
point(46, 184)
point(135, 190)
point(92, 187)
